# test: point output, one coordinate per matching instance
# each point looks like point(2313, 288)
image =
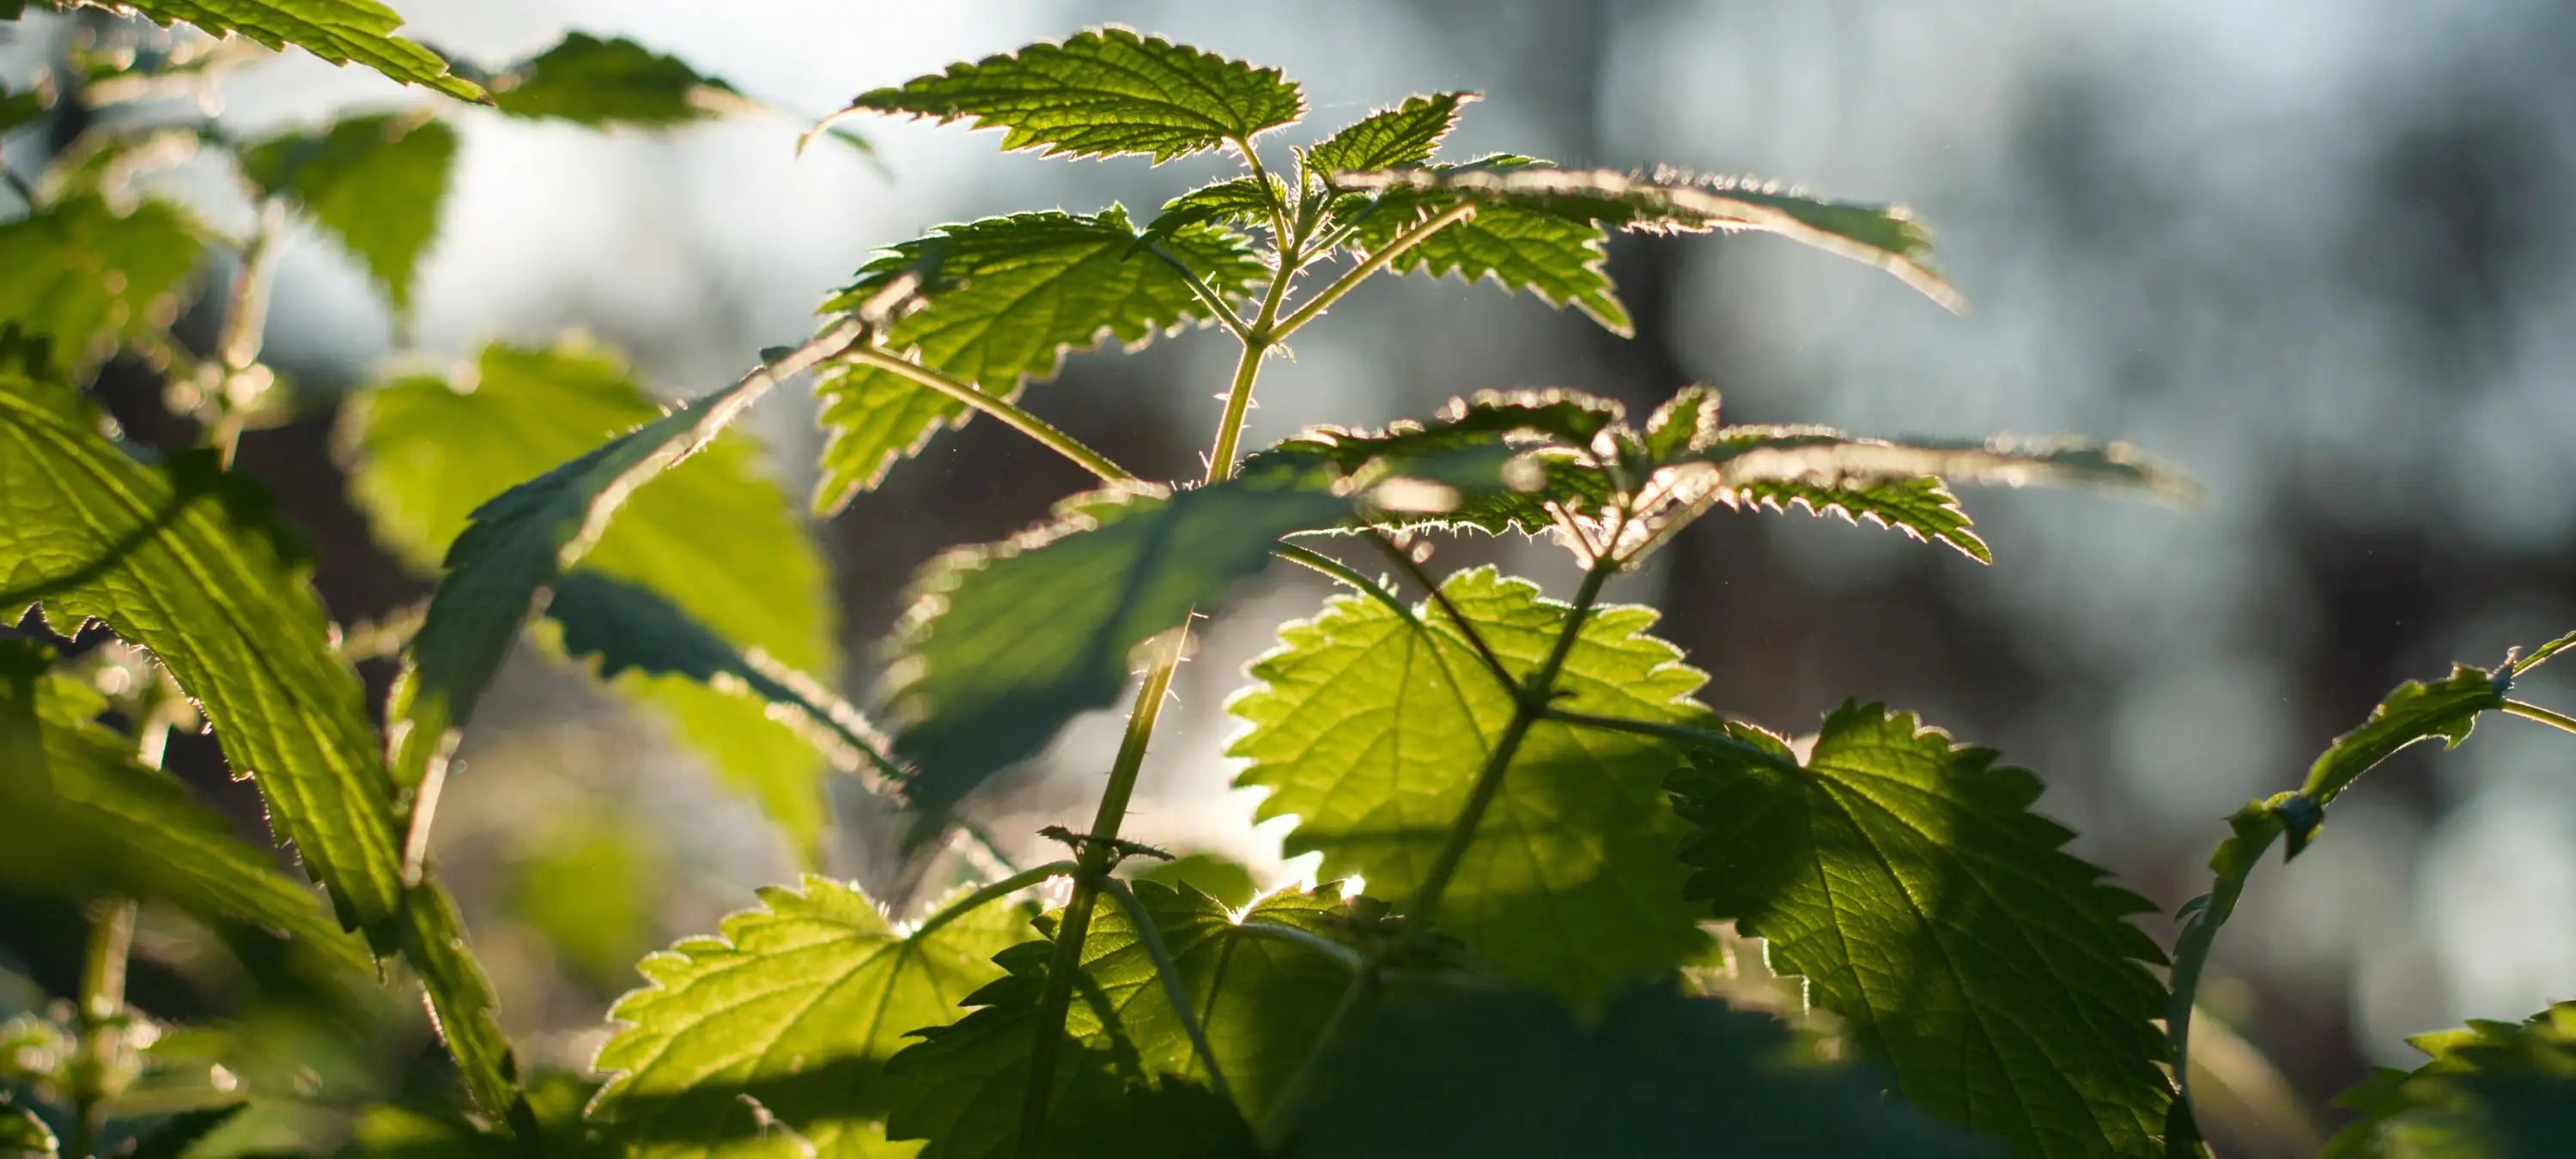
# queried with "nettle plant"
point(1598, 918)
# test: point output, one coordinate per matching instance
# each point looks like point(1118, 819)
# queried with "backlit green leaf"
point(2414, 711)
point(1549, 435)
point(1403, 135)
point(1241, 201)
point(1105, 92)
point(376, 182)
point(78, 812)
point(82, 277)
point(1544, 249)
point(1906, 878)
point(1005, 299)
point(792, 1010)
point(610, 83)
point(1921, 506)
point(2492, 1090)
point(1511, 1075)
point(1371, 728)
point(339, 31)
point(718, 541)
point(1884, 236)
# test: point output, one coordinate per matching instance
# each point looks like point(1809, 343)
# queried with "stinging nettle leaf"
point(78, 811)
point(1554, 254)
point(607, 83)
point(1885, 236)
point(375, 182)
point(81, 277)
point(1403, 135)
point(338, 31)
point(1003, 300)
point(2497, 1090)
point(789, 1014)
point(1239, 201)
point(1104, 92)
point(1748, 455)
point(720, 542)
point(1372, 728)
point(1511, 1075)
point(1906, 878)
point(2414, 711)
point(1547, 437)
point(1921, 506)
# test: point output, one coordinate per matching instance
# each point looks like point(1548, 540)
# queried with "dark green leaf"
point(607, 83)
point(174, 1137)
point(1214, 874)
point(461, 1003)
point(1372, 727)
point(1906, 878)
point(339, 31)
point(505, 563)
point(791, 1011)
point(2493, 1090)
point(2414, 711)
point(1105, 92)
point(20, 109)
point(183, 560)
point(24, 1136)
point(83, 277)
point(1403, 135)
point(1509, 1075)
point(1884, 236)
point(719, 542)
point(77, 812)
point(1005, 298)
point(375, 182)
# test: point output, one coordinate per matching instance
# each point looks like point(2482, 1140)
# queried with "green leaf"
point(2498, 1090)
point(182, 559)
point(23, 1135)
point(83, 277)
point(339, 31)
point(375, 182)
point(462, 1005)
point(1240, 201)
point(789, 1014)
point(1214, 874)
point(719, 542)
point(1005, 299)
point(1372, 727)
point(1885, 236)
point(20, 109)
point(504, 564)
point(1127, 1071)
point(603, 84)
point(1747, 455)
point(1005, 643)
point(1403, 135)
point(78, 812)
point(2414, 711)
point(1105, 92)
point(1508, 1074)
point(1554, 254)
point(1907, 880)
point(555, 1097)
point(1921, 506)
point(1549, 433)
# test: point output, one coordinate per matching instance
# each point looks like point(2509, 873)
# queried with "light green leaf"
point(182, 560)
point(1685, 422)
point(1403, 135)
point(1105, 92)
point(1549, 436)
point(1214, 874)
point(1921, 506)
point(719, 541)
point(2492, 1090)
point(83, 277)
point(792, 1010)
point(609, 83)
point(1885, 236)
point(515, 547)
point(1005, 299)
point(375, 182)
point(1906, 878)
point(2414, 711)
point(77, 812)
point(1240, 201)
point(339, 31)
point(1371, 728)
point(1512, 1075)
point(1747, 455)
point(24, 1136)
point(1127, 1073)
point(1005, 643)
point(1540, 248)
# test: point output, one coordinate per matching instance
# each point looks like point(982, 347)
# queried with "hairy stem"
point(102, 1002)
point(1184, 1008)
point(1530, 704)
point(1000, 408)
point(1095, 860)
point(1377, 261)
point(2550, 717)
point(1308, 557)
point(1216, 302)
point(1238, 394)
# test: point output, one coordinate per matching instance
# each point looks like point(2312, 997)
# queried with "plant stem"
point(1095, 861)
point(1376, 261)
point(1683, 733)
point(1184, 1008)
point(1018, 419)
point(102, 1001)
point(1215, 301)
point(1238, 395)
point(1000, 889)
point(1531, 698)
point(2529, 711)
point(1405, 562)
point(245, 332)
point(1310, 558)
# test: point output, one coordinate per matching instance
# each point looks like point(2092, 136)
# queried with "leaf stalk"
point(1003, 409)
